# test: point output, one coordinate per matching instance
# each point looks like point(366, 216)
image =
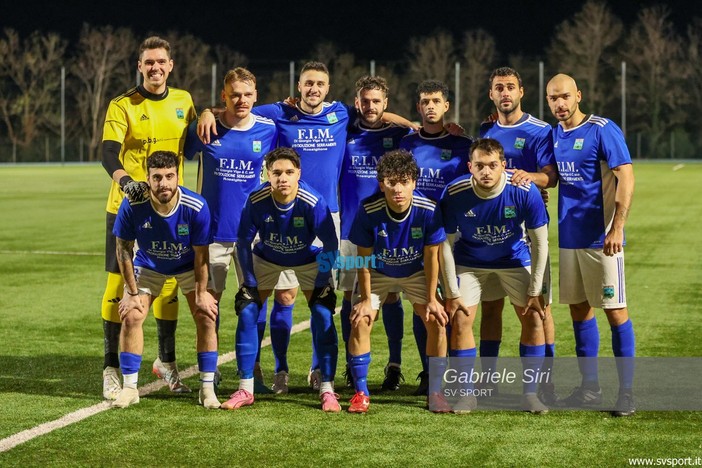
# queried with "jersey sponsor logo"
point(256, 146)
point(179, 113)
point(469, 214)
point(183, 230)
point(608, 292)
point(510, 212)
point(578, 145)
point(445, 154)
point(382, 233)
point(268, 219)
point(332, 118)
point(417, 233)
point(387, 143)
point(216, 143)
point(143, 117)
point(298, 221)
point(519, 143)
point(312, 133)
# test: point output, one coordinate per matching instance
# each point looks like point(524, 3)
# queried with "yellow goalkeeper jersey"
point(143, 125)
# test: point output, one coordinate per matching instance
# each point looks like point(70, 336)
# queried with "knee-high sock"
point(207, 365)
point(463, 362)
point(326, 341)
point(166, 339)
point(314, 364)
point(624, 349)
point(111, 324)
point(439, 365)
point(532, 359)
point(549, 361)
point(246, 341)
point(489, 351)
point(587, 345)
point(111, 331)
point(130, 364)
point(261, 327)
point(281, 323)
point(359, 370)
point(393, 320)
point(420, 337)
point(344, 315)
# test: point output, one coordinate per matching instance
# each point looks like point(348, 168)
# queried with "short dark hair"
point(397, 164)
point(432, 86)
point(316, 66)
point(488, 145)
point(154, 42)
point(366, 83)
point(239, 74)
point(505, 71)
point(282, 153)
point(162, 160)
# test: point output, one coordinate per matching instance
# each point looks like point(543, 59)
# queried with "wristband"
point(135, 294)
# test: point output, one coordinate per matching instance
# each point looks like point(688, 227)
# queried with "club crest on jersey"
point(417, 233)
point(298, 221)
point(445, 154)
point(519, 143)
point(179, 113)
point(578, 145)
point(387, 143)
point(608, 292)
point(510, 212)
point(256, 146)
point(332, 118)
point(183, 230)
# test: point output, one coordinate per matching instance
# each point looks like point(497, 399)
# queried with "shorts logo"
point(387, 143)
point(298, 221)
point(510, 212)
point(179, 113)
point(519, 143)
point(332, 118)
point(256, 146)
point(417, 233)
point(445, 154)
point(608, 292)
point(183, 230)
point(578, 145)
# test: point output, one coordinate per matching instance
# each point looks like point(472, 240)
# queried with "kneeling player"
point(402, 230)
point(288, 215)
point(492, 215)
point(172, 228)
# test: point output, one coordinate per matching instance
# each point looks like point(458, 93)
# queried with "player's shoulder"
point(536, 122)
point(260, 120)
point(598, 120)
point(420, 201)
point(458, 185)
point(526, 187)
point(307, 194)
point(178, 93)
point(192, 200)
point(374, 203)
point(126, 96)
point(485, 127)
point(260, 193)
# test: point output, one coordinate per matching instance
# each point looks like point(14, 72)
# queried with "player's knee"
point(133, 319)
point(285, 296)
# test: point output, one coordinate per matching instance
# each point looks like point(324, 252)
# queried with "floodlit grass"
point(51, 355)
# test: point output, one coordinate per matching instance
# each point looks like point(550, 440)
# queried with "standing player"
point(528, 149)
point(287, 214)
point(441, 157)
point(596, 189)
point(145, 119)
point(230, 169)
point(172, 228)
point(493, 217)
point(402, 230)
point(368, 138)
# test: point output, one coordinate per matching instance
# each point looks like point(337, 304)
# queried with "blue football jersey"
point(585, 156)
point(398, 246)
point(165, 242)
point(230, 169)
point(493, 231)
point(286, 233)
point(364, 146)
point(319, 139)
point(528, 144)
point(440, 159)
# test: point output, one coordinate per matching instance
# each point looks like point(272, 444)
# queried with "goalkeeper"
point(147, 118)
point(287, 214)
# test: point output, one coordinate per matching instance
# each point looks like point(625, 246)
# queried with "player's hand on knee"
point(360, 312)
point(456, 305)
point(128, 304)
point(534, 304)
point(207, 305)
point(435, 311)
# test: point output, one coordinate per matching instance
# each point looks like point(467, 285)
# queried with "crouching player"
point(288, 215)
point(492, 216)
point(172, 230)
point(402, 229)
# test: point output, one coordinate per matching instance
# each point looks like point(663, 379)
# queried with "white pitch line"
point(50, 252)
point(25, 436)
point(677, 167)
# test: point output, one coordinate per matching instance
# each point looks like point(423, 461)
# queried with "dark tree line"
point(663, 79)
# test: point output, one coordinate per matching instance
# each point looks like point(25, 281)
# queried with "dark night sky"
point(285, 30)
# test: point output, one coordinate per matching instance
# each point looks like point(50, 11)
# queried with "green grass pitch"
point(51, 355)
